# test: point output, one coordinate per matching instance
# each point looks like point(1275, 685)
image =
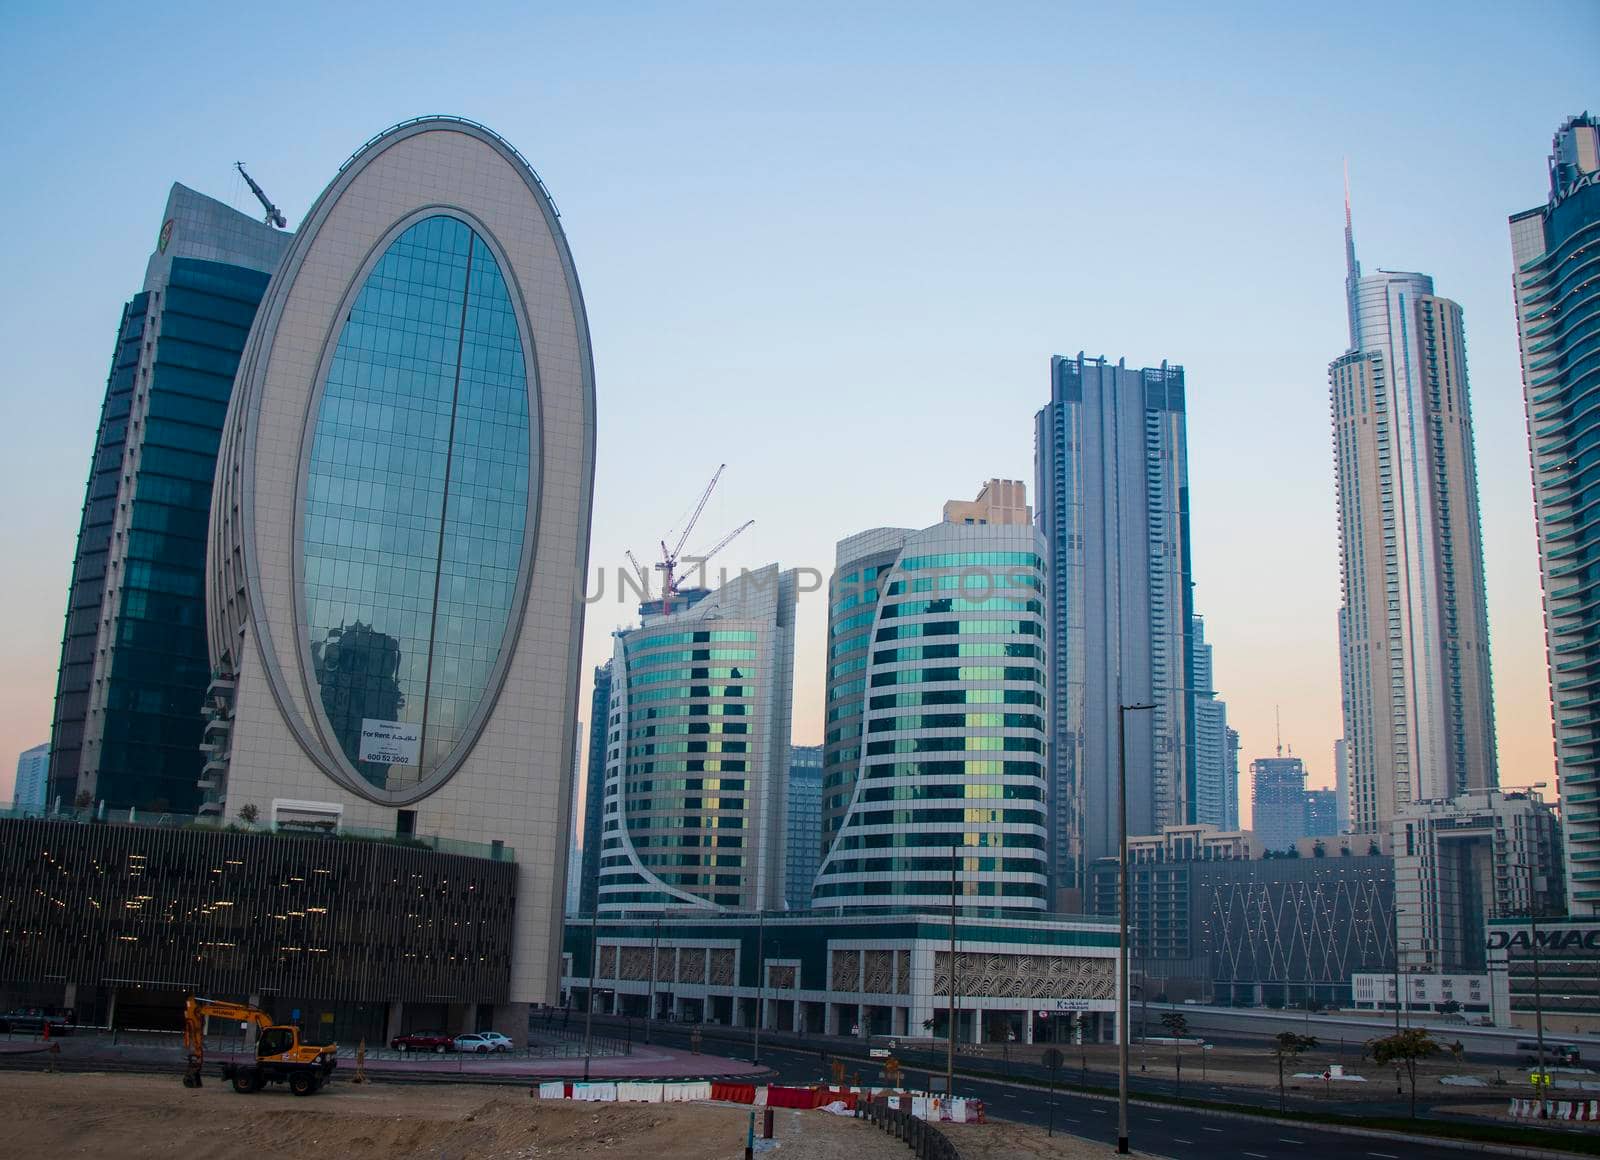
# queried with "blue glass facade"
point(1556, 248)
point(142, 546)
point(1112, 489)
point(805, 824)
point(594, 795)
point(417, 497)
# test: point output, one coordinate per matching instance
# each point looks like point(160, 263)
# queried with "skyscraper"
point(1414, 637)
point(1231, 782)
point(1322, 813)
point(1216, 801)
point(935, 726)
point(1341, 785)
point(805, 824)
point(594, 789)
point(1111, 461)
point(1558, 323)
point(1278, 801)
point(401, 524)
point(33, 779)
point(701, 703)
point(134, 669)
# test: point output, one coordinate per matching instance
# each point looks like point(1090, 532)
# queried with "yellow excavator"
point(280, 1055)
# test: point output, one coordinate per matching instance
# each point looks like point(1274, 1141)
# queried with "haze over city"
point(816, 243)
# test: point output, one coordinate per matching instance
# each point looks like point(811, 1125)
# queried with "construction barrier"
point(1556, 1109)
point(915, 1105)
point(922, 1137)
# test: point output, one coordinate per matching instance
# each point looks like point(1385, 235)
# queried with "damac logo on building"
point(1550, 940)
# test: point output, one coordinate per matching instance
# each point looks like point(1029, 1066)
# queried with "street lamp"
point(1538, 989)
point(655, 951)
point(761, 980)
point(1397, 994)
point(1122, 910)
point(588, 1011)
point(950, 1052)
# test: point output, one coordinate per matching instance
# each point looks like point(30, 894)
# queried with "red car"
point(423, 1041)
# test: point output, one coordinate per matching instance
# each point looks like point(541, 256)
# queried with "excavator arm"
point(195, 1011)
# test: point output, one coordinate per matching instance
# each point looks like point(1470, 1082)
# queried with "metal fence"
point(924, 1140)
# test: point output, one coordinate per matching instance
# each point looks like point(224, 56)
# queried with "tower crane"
point(274, 217)
point(668, 567)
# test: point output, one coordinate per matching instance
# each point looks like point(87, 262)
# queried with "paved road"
point(1174, 1132)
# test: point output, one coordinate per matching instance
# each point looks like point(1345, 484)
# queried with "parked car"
point(482, 1042)
point(436, 1041)
point(32, 1022)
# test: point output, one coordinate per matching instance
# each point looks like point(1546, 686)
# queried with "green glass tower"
point(127, 729)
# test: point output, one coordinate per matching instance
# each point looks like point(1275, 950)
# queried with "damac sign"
point(1549, 940)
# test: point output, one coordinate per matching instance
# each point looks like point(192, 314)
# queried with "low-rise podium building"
point(1022, 979)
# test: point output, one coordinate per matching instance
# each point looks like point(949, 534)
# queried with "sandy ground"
point(83, 1114)
point(1006, 1141)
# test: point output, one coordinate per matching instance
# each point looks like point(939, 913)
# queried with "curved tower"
point(936, 716)
point(401, 519)
point(697, 752)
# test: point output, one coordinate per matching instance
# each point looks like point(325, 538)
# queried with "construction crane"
point(274, 217)
point(639, 571)
point(670, 556)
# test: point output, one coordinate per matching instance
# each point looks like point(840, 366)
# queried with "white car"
point(483, 1042)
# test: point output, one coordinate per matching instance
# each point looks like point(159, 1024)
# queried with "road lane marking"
point(1384, 1155)
point(1286, 1140)
point(1181, 1140)
point(1203, 1128)
point(1257, 1155)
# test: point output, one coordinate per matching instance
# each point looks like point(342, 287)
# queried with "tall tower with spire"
point(1414, 638)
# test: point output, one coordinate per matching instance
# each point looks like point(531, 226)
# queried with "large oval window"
point(416, 503)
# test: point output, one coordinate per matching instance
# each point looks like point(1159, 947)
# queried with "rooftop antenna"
point(274, 217)
point(1277, 720)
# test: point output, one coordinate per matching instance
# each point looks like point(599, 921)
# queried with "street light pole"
point(588, 1008)
point(950, 1053)
point(1538, 988)
point(761, 979)
point(1122, 911)
point(1396, 910)
point(650, 1010)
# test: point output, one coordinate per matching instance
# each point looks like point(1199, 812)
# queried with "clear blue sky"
point(835, 246)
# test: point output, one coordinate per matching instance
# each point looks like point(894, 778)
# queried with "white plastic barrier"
point(761, 1096)
point(595, 1092)
point(553, 1091)
point(684, 1092)
point(639, 1093)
